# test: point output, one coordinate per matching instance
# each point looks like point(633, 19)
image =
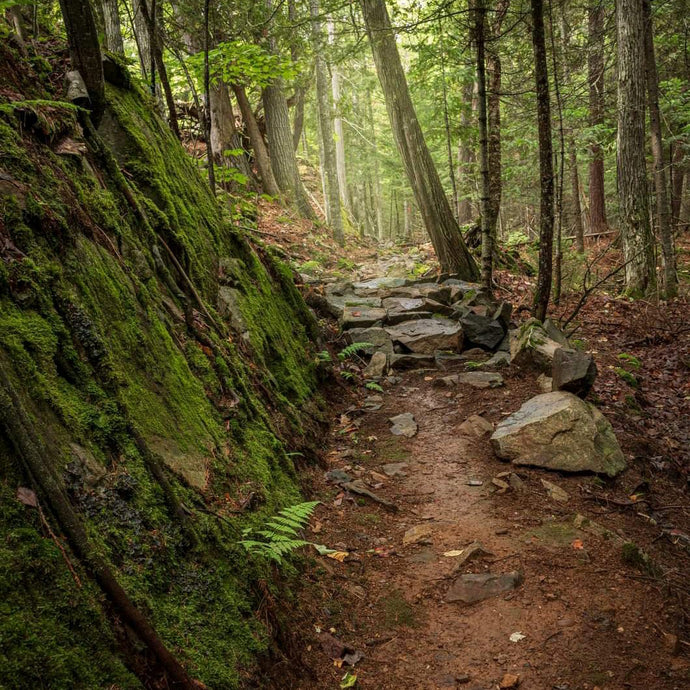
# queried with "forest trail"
point(579, 617)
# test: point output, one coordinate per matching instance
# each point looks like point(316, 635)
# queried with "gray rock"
point(394, 317)
point(500, 360)
point(361, 317)
point(336, 304)
point(375, 285)
point(377, 336)
point(504, 346)
point(545, 383)
point(481, 379)
point(573, 371)
point(229, 301)
point(417, 534)
point(558, 431)
point(444, 360)
point(471, 588)
point(401, 362)
point(532, 347)
point(424, 336)
point(555, 492)
point(482, 331)
point(435, 291)
point(503, 314)
point(377, 366)
point(339, 288)
point(230, 270)
point(403, 425)
point(555, 333)
point(395, 469)
point(475, 425)
point(84, 464)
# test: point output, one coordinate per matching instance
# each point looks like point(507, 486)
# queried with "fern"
point(323, 356)
point(353, 349)
point(347, 375)
point(280, 533)
point(373, 386)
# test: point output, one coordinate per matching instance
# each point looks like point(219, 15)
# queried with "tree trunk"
point(576, 207)
point(263, 162)
point(546, 218)
point(207, 104)
point(142, 37)
point(419, 166)
point(487, 239)
point(493, 66)
point(679, 172)
point(85, 52)
point(298, 119)
point(323, 102)
point(377, 198)
point(111, 23)
point(663, 209)
point(224, 134)
point(631, 169)
point(464, 176)
point(446, 122)
point(597, 202)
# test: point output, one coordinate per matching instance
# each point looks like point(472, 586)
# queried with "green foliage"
point(280, 533)
point(630, 360)
point(323, 356)
point(347, 375)
point(241, 62)
point(629, 378)
point(352, 350)
point(373, 386)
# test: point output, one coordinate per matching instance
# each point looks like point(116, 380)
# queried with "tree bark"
point(85, 52)
point(487, 239)
point(546, 217)
point(663, 208)
point(595, 68)
point(143, 38)
point(631, 169)
point(111, 23)
point(419, 166)
point(208, 104)
point(576, 207)
point(464, 176)
point(679, 173)
point(263, 161)
point(323, 102)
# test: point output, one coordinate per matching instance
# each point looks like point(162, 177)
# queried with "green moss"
point(629, 378)
point(93, 323)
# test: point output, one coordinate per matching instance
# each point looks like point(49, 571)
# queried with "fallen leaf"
point(453, 554)
point(339, 556)
point(577, 544)
point(349, 680)
point(517, 637)
point(27, 497)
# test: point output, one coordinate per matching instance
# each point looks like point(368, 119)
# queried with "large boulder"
point(336, 303)
point(573, 371)
point(482, 331)
point(362, 317)
point(424, 336)
point(377, 336)
point(435, 291)
point(558, 431)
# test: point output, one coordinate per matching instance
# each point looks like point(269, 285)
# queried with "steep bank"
point(161, 369)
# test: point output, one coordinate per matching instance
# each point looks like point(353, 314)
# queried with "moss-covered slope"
point(166, 369)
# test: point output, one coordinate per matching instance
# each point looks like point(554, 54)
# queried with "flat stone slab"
point(559, 431)
point(425, 336)
point(337, 303)
point(471, 588)
point(376, 284)
point(436, 291)
point(362, 317)
point(395, 469)
point(481, 379)
point(377, 336)
point(412, 361)
point(403, 425)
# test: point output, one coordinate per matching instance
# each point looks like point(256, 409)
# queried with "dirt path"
point(588, 619)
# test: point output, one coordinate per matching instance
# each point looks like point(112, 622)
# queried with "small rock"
point(532, 347)
point(475, 549)
point(516, 484)
point(555, 492)
point(475, 482)
point(416, 534)
point(362, 317)
point(482, 330)
point(481, 379)
point(545, 383)
point(377, 366)
point(573, 371)
point(425, 336)
point(500, 360)
point(555, 333)
point(471, 588)
point(476, 426)
point(412, 360)
point(446, 381)
point(500, 485)
point(404, 425)
point(509, 680)
point(462, 678)
point(338, 476)
point(395, 469)
point(378, 338)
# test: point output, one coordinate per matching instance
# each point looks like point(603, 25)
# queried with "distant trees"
point(417, 162)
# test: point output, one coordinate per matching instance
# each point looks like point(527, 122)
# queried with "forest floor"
point(582, 616)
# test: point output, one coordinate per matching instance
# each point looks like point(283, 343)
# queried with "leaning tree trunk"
point(263, 161)
point(546, 217)
point(595, 68)
point(111, 24)
point(85, 52)
point(636, 232)
point(663, 208)
point(487, 239)
point(323, 103)
point(419, 166)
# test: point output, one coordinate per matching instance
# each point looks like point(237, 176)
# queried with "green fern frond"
point(353, 349)
point(347, 375)
point(373, 386)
